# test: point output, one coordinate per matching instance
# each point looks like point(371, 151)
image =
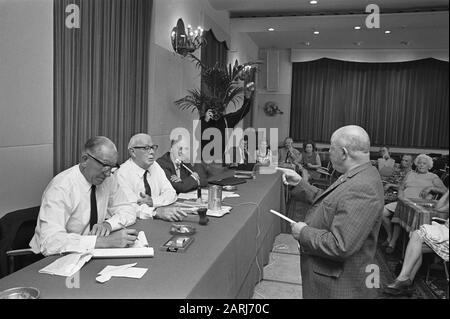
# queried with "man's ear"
point(83, 161)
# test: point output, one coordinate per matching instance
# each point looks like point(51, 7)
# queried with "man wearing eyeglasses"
point(83, 207)
point(145, 183)
point(175, 163)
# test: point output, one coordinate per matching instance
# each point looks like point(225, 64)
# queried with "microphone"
point(179, 162)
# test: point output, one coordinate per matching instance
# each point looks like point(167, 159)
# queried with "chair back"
point(16, 230)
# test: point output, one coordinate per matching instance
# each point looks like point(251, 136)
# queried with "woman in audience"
point(310, 159)
point(435, 236)
point(263, 154)
point(385, 162)
point(417, 184)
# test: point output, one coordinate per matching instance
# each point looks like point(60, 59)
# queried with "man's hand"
point(101, 230)
point(170, 213)
point(118, 239)
point(175, 179)
point(209, 115)
point(145, 199)
point(290, 177)
point(296, 228)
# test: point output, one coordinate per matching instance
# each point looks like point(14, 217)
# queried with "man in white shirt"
point(145, 183)
point(82, 208)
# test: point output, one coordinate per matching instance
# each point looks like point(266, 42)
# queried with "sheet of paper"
point(128, 271)
point(219, 213)
point(141, 241)
point(67, 265)
point(123, 252)
point(282, 216)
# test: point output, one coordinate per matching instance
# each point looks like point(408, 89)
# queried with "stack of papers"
point(139, 249)
point(128, 271)
point(193, 194)
point(67, 265)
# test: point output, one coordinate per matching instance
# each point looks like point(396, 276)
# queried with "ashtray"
point(182, 229)
point(230, 187)
point(20, 293)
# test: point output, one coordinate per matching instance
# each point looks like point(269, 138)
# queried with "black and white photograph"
point(224, 157)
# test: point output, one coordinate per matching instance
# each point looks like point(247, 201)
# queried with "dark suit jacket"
point(188, 183)
point(338, 245)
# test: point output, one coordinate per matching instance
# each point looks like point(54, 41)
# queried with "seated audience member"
point(289, 156)
point(418, 184)
point(263, 154)
point(240, 153)
point(310, 159)
point(174, 164)
point(385, 162)
point(145, 183)
point(433, 236)
point(401, 172)
point(83, 207)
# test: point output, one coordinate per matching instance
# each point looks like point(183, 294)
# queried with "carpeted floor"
point(282, 279)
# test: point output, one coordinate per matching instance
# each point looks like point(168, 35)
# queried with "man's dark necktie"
point(288, 154)
point(148, 190)
point(94, 214)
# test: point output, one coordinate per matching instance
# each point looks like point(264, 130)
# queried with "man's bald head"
point(354, 138)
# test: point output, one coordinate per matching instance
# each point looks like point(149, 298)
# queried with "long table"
point(225, 260)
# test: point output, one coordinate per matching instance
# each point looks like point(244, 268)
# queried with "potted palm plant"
point(221, 86)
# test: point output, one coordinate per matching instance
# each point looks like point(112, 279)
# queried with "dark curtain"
point(214, 51)
point(100, 75)
point(402, 104)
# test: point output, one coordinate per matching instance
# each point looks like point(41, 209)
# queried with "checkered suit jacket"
point(340, 240)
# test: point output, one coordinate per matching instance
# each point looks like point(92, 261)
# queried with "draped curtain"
point(402, 104)
point(100, 75)
point(214, 51)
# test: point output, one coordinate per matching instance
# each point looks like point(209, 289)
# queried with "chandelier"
point(185, 41)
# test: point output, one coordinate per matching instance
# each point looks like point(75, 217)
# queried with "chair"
point(326, 176)
point(16, 230)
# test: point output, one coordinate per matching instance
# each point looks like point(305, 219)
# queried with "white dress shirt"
point(131, 178)
point(64, 217)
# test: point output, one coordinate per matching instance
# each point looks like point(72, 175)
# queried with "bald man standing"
point(145, 183)
point(339, 237)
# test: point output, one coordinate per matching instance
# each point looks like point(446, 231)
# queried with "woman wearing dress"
point(311, 159)
point(416, 184)
point(263, 154)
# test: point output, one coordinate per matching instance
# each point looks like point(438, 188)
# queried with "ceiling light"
point(358, 43)
point(357, 27)
point(271, 29)
point(405, 43)
point(313, 2)
point(316, 32)
point(306, 43)
point(387, 31)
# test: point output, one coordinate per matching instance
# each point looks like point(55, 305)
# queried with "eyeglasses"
point(147, 148)
point(105, 167)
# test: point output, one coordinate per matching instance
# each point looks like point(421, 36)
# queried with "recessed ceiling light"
point(316, 32)
point(357, 27)
point(313, 2)
point(358, 43)
point(271, 29)
point(306, 43)
point(387, 31)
